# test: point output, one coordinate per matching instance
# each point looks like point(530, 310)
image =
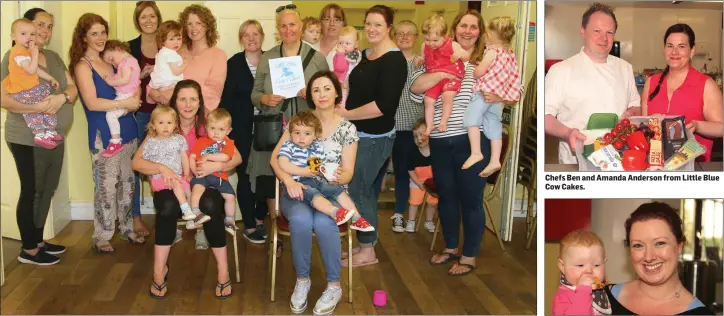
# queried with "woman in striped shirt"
point(459, 191)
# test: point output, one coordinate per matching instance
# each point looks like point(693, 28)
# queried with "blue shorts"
point(214, 182)
point(479, 113)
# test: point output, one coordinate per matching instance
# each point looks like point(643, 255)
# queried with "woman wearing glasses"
point(333, 19)
point(408, 112)
point(289, 27)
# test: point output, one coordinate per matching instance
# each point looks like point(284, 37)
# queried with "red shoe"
point(54, 136)
point(362, 225)
point(343, 215)
point(112, 150)
point(45, 142)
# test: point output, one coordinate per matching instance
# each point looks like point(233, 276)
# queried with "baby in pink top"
point(581, 261)
point(126, 81)
point(441, 54)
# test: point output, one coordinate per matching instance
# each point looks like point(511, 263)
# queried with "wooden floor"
point(88, 283)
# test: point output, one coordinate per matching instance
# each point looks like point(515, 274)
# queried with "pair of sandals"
point(163, 285)
point(453, 257)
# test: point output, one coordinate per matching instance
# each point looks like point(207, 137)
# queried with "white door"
point(230, 14)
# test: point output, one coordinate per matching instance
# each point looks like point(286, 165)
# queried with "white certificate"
point(287, 76)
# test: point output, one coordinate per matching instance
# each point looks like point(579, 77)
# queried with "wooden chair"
point(491, 190)
point(236, 248)
point(527, 173)
point(280, 226)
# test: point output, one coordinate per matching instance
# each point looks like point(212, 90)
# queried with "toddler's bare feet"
point(473, 159)
point(491, 168)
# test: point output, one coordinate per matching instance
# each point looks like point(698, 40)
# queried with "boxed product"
point(640, 143)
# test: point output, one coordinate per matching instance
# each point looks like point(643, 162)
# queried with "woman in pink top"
point(207, 63)
point(682, 90)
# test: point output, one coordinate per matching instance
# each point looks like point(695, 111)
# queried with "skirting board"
point(84, 211)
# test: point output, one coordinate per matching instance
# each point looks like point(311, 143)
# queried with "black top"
point(417, 159)
point(135, 45)
point(380, 80)
point(236, 98)
point(618, 309)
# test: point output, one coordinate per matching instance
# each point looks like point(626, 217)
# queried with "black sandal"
point(469, 266)
point(221, 288)
point(160, 288)
point(450, 257)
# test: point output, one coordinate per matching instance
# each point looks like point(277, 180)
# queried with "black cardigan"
point(236, 98)
point(136, 48)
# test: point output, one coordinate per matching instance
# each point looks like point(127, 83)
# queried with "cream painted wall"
point(641, 31)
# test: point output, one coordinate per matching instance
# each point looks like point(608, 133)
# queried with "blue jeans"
point(401, 151)
point(142, 119)
point(364, 189)
point(459, 191)
point(303, 220)
point(487, 115)
point(317, 187)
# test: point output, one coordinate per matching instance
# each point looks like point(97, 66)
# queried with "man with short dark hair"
point(589, 82)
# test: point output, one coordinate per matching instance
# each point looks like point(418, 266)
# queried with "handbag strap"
point(305, 63)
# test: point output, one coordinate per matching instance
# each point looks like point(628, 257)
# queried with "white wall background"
point(641, 28)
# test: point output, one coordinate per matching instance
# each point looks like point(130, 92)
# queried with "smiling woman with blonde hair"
point(236, 99)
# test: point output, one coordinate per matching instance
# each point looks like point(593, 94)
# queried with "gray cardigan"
point(258, 163)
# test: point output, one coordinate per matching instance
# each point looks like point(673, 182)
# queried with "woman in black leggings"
point(189, 104)
point(38, 168)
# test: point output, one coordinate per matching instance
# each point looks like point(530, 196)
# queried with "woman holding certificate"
point(272, 98)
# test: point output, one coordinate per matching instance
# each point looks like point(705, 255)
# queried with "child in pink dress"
point(441, 54)
point(497, 73)
point(581, 261)
point(348, 56)
point(126, 81)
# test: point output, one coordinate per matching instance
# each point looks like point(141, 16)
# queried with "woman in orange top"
point(207, 63)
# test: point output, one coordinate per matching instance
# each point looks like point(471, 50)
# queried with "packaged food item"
point(607, 159)
point(656, 150)
point(673, 135)
point(688, 152)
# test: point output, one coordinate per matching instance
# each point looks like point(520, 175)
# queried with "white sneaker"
point(397, 223)
point(328, 301)
point(201, 242)
point(430, 226)
point(298, 303)
point(410, 228)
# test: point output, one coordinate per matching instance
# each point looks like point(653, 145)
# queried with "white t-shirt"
point(162, 76)
point(578, 87)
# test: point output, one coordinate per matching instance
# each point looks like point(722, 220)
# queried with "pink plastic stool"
point(379, 298)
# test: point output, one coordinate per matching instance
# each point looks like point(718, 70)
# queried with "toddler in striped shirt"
point(295, 157)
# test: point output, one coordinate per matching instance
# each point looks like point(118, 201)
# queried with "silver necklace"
point(677, 294)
